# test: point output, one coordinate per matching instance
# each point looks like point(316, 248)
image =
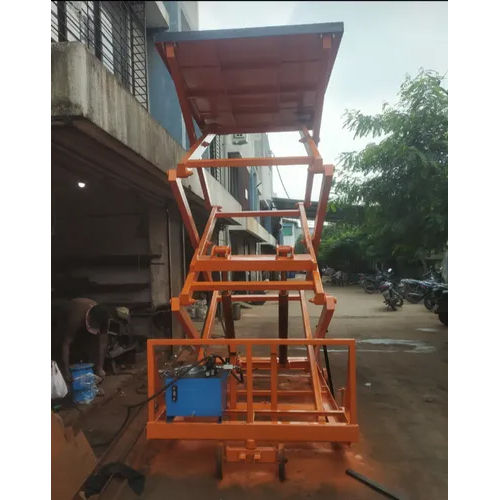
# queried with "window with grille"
point(216, 152)
point(233, 173)
point(233, 182)
point(115, 32)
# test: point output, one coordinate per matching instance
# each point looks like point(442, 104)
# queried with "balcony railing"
point(115, 32)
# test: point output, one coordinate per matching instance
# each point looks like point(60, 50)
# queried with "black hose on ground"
point(163, 389)
point(372, 484)
point(143, 402)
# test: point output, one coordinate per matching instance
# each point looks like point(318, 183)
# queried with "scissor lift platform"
point(250, 81)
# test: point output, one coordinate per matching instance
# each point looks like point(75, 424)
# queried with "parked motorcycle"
point(441, 306)
point(409, 289)
point(433, 275)
point(392, 298)
point(432, 295)
point(415, 291)
point(372, 283)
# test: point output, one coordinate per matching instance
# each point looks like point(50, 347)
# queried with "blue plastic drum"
point(83, 385)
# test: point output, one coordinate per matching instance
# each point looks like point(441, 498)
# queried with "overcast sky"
point(382, 42)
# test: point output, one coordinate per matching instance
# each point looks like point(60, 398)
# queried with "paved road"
point(402, 405)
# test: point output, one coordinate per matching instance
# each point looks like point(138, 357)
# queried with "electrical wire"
point(282, 183)
point(143, 402)
point(163, 389)
point(281, 180)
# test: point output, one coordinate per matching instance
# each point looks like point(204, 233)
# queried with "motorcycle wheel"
point(413, 298)
point(392, 303)
point(399, 302)
point(443, 317)
point(429, 303)
point(369, 286)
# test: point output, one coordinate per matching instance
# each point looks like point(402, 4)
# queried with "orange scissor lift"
point(248, 81)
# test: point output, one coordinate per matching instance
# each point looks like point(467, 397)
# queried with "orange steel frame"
point(324, 418)
point(310, 415)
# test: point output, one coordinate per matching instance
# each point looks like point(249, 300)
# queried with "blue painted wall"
point(163, 103)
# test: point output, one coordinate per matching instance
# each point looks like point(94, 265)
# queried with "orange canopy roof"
point(255, 79)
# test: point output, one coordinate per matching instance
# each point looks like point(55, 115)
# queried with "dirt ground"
point(402, 411)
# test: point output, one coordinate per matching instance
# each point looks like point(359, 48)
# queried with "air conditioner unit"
point(240, 139)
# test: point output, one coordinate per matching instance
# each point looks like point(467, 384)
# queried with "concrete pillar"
point(159, 242)
point(176, 260)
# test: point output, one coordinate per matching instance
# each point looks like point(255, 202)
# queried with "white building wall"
point(257, 145)
point(266, 188)
point(190, 10)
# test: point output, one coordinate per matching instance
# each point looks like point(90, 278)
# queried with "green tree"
point(299, 245)
point(401, 181)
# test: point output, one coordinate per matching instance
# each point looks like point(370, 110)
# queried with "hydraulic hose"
point(163, 389)
point(143, 402)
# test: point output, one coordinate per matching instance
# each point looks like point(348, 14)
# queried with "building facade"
point(290, 231)
point(117, 235)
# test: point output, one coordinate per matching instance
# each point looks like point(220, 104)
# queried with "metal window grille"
point(115, 32)
point(233, 184)
point(216, 152)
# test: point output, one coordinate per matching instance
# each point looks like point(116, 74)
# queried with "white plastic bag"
point(59, 387)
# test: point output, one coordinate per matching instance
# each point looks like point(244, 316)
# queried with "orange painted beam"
point(351, 384)
point(253, 341)
point(249, 382)
point(251, 285)
point(290, 412)
point(253, 90)
point(261, 298)
point(319, 294)
point(197, 148)
point(324, 319)
point(310, 353)
point(184, 209)
point(194, 152)
point(250, 162)
point(206, 237)
point(167, 52)
point(306, 232)
point(253, 263)
point(204, 188)
point(263, 431)
point(311, 149)
point(186, 294)
point(309, 186)
point(209, 322)
point(258, 213)
point(331, 45)
point(315, 167)
point(326, 185)
point(302, 394)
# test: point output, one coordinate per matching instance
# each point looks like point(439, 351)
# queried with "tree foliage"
point(401, 181)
